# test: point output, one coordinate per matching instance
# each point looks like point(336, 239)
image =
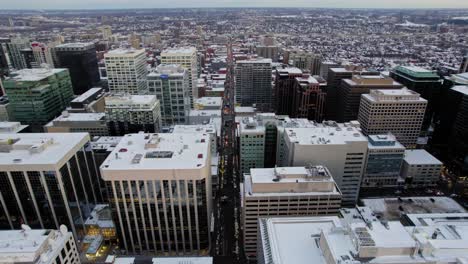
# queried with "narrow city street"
point(226, 242)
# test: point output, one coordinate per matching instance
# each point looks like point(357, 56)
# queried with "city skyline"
point(127, 4)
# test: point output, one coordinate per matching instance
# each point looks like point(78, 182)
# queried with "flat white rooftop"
point(75, 45)
point(183, 260)
point(11, 127)
point(167, 69)
point(27, 246)
point(33, 75)
point(294, 239)
point(77, 117)
point(105, 143)
point(121, 52)
point(148, 153)
point(209, 101)
point(420, 157)
point(322, 134)
point(181, 50)
point(461, 89)
point(87, 94)
point(208, 128)
point(258, 60)
point(208, 112)
point(127, 100)
point(38, 151)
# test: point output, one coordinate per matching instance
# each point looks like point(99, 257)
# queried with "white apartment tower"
point(126, 71)
point(160, 190)
point(132, 113)
point(47, 179)
point(187, 58)
point(400, 112)
point(171, 85)
point(342, 148)
point(285, 191)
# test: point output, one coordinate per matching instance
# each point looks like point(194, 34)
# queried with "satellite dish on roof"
point(63, 229)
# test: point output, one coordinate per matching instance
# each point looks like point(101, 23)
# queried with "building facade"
point(81, 60)
point(285, 191)
point(400, 112)
point(160, 192)
point(340, 147)
point(171, 85)
point(383, 164)
point(127, 114)
point(126, 71)
point(349, 94)
point(38, 95)
point(420, 169)
point(92, 123)
point(254, 83)
point(47, 180)
point(187, 58)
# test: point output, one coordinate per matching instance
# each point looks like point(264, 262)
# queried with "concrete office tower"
point(350, 91)
point(268, 52)
point(325, 66)
point(127, 114)
point(335, 75)
point(171, 85)
point(254, 84)
point(285, 191)
point(298, 95)
point(92, 123)
point(383, 164)
point(160, 189)
point(47, 180)
point(306, 61)
point(452, 130)
point(187, 58)
point(400, 112)
point(420, 169)
point(464, 64)
point(14, 47)
point(38, 95)
point(42, 55)
point(426, 83)
point(81, 60)
point(41, 246)
point(126, 71)
point(340, 147)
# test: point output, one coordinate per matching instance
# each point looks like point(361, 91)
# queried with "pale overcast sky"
point(99, 4)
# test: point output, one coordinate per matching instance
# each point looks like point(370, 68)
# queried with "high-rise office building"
point(38, 95)
point(400, 112)
point(187, 58)
point(335, 75)
point(383, 163)
point(340, 147)
point(254, 83)
point(160, 192)
point(4, 67)
point(42, 54)
point(14, 47)
point(424, 82)
point(132, 113)
point(268, 52)
point(285, 191)
point(325, 66)
point(464, 64)
point(452, 131)
point(47, 180)
point(81, 60)
point(41, 246)
point(350, 91)
point(126, 71)
point(92, 101)
point(306, 61)
point(298, 95)
point(171, 85)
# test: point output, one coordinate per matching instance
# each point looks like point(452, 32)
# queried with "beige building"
point(93, 123)
point(285, 191)
point(400, 112)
